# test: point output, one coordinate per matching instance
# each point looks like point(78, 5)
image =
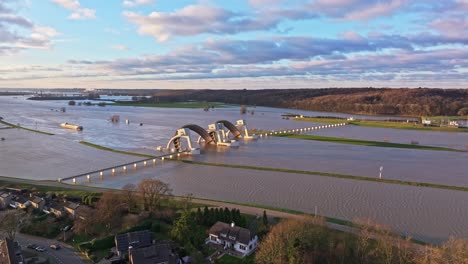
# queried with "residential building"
point(238, 239)
point(135, 240)
point(153, 254)
point(56, 210)
point(71, 209)
point(19, 202)
point(37, 202)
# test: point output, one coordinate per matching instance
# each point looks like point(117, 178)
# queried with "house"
point(71, 209)
point(8, 252)
point(238, 239)
point(5, 199)
point(37, 202)
point(19, 202)
point(56, 210)
point(135, 240)
point(153, 254)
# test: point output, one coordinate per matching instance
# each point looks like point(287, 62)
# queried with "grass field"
point(365, 142)
point(228, 259)
point(383, 124)
point(171, 105)
point(403, 125)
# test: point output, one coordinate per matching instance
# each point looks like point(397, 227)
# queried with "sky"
point(237, 44)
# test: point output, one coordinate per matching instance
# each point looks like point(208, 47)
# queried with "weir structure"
point(220, 133)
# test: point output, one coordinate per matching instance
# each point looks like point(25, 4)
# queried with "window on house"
point(242, 247)
point(250, 247)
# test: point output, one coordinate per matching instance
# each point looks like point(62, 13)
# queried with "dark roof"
point(7, 252)
point(135, 239)
point(4, 194)
point(232, 233)
point(73, 206)
point(36, 199)
point(154, 254)
point(20, 199)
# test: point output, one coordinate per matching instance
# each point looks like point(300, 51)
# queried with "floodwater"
point(441, 167)
point(425, 213)
point(429, 214)
point(429, 138)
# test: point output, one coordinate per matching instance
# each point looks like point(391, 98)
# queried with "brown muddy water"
point(428, 214)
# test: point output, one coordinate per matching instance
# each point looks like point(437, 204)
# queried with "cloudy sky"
point(233, 44)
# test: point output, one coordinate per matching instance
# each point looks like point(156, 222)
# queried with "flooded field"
point(29, 155)
point(421, 212)
point(442, 167)
point(429, 138)
point(429, 214)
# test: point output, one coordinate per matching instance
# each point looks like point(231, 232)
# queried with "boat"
point(71, 126)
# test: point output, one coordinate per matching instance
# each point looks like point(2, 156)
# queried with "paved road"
point(65, 255)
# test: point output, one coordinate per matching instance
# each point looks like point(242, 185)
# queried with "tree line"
point(308, 240)
point(372, 101)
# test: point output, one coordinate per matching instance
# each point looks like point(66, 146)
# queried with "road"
point(65, 255)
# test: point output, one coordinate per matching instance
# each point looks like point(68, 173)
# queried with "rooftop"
point(232, 233)
point(159, 253)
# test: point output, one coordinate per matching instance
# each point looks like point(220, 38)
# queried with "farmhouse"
point(237, 239)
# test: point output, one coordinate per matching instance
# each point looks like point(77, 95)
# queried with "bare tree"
point(85, 223)
point(130, 190)
point(12, 221)
point(153, 192)
point(109, 209)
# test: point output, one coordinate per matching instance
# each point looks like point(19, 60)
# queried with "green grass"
point(170, 105)
point(385, 124)
point(116, 151)
point(335, 175)
point(28, 129)
point(368, 143)
point(228, 259)
point(322, 120)
point(403, 125)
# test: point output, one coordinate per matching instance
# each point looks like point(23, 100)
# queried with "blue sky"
point(233, 44)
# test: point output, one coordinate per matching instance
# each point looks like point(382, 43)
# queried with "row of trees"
point(410, 102)
point(309, 241)
point(212, 215)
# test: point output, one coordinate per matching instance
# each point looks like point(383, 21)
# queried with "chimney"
point(233, 224)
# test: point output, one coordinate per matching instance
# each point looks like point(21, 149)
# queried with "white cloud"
point(134, 3)
point(197, 19)
point(78, 11)
point(120, 47)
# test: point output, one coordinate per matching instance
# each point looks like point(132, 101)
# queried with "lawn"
point(384, 124)
point(228, 259)
point(404, 125)
point(368, 143)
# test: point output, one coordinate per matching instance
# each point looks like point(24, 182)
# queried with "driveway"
point(65, 255)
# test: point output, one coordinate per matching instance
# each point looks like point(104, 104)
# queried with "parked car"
point(40, 249)
point(32, 246)
point(55, 246)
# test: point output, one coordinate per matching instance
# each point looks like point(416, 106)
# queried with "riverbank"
point(382, 124)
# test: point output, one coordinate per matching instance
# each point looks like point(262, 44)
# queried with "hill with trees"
point(369, 101)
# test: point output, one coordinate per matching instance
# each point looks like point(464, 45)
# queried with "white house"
point(239, 239)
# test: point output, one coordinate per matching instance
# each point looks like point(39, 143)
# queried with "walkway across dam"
point(151, 161)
